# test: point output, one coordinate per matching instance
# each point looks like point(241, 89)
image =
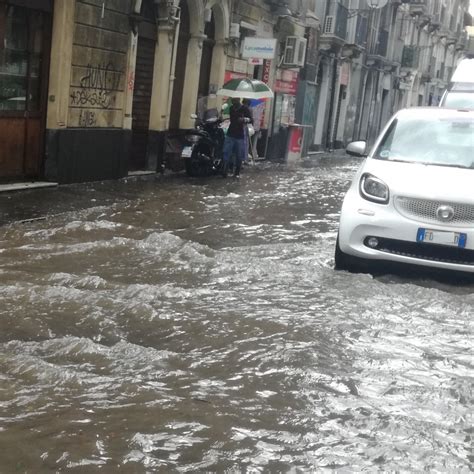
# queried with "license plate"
point(187, 151)
point(441, 237)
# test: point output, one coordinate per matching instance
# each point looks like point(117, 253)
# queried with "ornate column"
point(163, 78)
point(219, 59)
point(191, 82)
point(165, 58)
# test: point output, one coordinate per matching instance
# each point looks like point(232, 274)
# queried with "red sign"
point(286, 87)
point(288, 84)
point(266, 71)
point(295, 139)
point(233, 75)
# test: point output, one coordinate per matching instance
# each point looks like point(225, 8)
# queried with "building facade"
point(379, 56)
point(90, 88)
point(99, 89)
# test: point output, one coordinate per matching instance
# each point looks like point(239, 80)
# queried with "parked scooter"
point(203, 150)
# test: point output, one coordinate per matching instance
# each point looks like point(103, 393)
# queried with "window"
point(21, 43)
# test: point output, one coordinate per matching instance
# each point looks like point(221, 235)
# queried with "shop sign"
point(267, 64)
point(263, 48)
point(288, 83)
point(237, 65)
point(233, 75)
point(255, 61)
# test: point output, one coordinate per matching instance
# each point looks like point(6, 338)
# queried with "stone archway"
point(221, 13)
point(206, 58)
point(187, 70)
point(193, 62)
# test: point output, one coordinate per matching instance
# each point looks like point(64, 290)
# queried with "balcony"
point(410, 57)
point(452, 38)
point(418, 7)
point(436, 22)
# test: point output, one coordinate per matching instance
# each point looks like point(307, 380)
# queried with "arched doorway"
point(180, 68)
point(147, 37)
point(206, 59)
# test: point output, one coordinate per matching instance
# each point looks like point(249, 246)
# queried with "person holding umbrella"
point(240, 116)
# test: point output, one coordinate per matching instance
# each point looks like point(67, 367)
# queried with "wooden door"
point(24, 62)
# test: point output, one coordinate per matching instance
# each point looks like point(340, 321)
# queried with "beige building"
point(89, 88)
point(100, 89)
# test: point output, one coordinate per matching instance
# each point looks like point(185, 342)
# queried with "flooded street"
point(198, 326)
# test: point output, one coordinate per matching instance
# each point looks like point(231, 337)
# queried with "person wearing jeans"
point(240, 116)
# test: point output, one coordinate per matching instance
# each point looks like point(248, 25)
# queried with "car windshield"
point(443, 141)
point(459, 100)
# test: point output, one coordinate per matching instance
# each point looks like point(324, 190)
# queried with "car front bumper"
point(397, 237)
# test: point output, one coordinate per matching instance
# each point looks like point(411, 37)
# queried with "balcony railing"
point(418, 7)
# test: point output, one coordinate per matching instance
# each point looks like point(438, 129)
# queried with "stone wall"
point(99, 64)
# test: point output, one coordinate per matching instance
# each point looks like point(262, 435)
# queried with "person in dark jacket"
point(240, 116)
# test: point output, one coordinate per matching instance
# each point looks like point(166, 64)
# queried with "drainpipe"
point(368, 71)
point(177, 22)
point(362, 102)
point(329, 131)
point(333, 84)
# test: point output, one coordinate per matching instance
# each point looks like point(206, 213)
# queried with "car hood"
point(440, 183)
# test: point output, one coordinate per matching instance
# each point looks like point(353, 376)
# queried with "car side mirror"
point(194, 116)
point(357, 148)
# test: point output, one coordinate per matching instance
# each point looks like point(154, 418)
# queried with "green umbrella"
point(246, 88)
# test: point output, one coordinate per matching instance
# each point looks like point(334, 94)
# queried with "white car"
point(460, 92)
point(412, 199)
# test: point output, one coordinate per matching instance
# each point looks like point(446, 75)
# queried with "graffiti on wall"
point(87, 118)
point(98, 87)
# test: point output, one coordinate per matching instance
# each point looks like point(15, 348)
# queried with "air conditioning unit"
point(329, 25)
point(295, 51)
point(234, 32)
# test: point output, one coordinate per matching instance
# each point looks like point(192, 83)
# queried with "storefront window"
point(284, 110)
point(21, 43)
point(35, 58)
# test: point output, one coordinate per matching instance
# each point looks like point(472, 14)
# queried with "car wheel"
point(343, 261)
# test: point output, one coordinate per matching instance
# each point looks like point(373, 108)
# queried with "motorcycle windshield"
point(208, 108)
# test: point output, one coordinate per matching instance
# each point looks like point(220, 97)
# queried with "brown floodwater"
point(180, 325)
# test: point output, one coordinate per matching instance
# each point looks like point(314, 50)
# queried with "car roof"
point(464, 71)
point(434, 113)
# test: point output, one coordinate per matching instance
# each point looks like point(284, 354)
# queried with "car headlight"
point(374, 189)
point(192, 138)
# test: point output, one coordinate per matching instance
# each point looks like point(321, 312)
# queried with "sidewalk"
point(23, 186)
point(24, 202)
